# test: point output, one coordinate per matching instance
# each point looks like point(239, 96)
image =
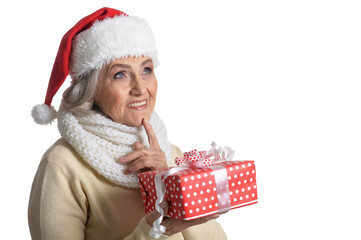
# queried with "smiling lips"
point(138, 105)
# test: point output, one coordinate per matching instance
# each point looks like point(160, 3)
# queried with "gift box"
point(194, 192)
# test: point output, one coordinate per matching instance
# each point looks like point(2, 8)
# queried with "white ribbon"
point(221, 180)
point(158, 229)
point(226, 153)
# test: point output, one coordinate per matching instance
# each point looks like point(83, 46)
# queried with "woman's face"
point(127, 89)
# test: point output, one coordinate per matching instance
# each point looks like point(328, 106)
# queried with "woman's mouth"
point(138, 105)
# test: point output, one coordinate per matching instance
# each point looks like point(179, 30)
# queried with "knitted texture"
point(101, 142)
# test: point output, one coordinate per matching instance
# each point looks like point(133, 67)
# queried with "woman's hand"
point(145, 158)
point(173, 225)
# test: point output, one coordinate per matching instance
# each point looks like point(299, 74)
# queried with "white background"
point(278, 81)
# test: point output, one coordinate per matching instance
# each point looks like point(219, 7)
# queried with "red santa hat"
point(99, 38)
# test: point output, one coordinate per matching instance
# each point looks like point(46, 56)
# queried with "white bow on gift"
point(226, 153)
point(196, 159)
point(204, 159)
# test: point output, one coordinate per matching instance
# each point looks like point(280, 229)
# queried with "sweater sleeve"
point(141, 232)
point(57, 210)
point(211, 230)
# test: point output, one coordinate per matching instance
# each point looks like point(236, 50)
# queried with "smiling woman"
point(86, 186)
point(127, 91)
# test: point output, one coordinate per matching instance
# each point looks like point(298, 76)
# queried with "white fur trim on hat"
point(44, 114)
point(110, 39)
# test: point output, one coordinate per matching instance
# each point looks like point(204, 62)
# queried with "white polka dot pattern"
point(193, 194)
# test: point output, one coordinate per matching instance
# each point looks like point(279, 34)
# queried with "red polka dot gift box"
point(195, 191)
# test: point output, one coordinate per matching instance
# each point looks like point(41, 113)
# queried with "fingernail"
point(121, 159)
point(163, 204)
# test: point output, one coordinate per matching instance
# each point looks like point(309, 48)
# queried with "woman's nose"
point(138, 87)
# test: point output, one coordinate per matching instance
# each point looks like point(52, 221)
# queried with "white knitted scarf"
point(101, 142)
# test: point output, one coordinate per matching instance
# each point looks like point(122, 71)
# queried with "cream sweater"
point(69, 200)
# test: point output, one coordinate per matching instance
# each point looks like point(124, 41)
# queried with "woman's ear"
point(96, 107)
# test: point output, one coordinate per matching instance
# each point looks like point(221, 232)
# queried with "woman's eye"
point(119, 75)
point(147, 70)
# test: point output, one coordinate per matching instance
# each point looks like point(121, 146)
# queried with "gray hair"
point(79, 97)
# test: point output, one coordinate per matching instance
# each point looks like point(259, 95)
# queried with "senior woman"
point(86, 186)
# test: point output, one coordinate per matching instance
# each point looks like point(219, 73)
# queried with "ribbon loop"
point(158, 230)
point(227, 153)
point(216, 149)
point(204, 159)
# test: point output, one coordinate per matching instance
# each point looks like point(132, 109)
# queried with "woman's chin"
point(137, 122)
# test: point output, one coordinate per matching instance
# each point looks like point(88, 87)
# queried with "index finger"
point(131, 156)
point(152, 138)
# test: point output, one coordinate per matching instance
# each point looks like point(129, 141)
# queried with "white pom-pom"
point(44, 114)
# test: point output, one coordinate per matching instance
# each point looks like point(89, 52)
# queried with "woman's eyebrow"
point(121, 65)
point(128, 66)
point(146, 61)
